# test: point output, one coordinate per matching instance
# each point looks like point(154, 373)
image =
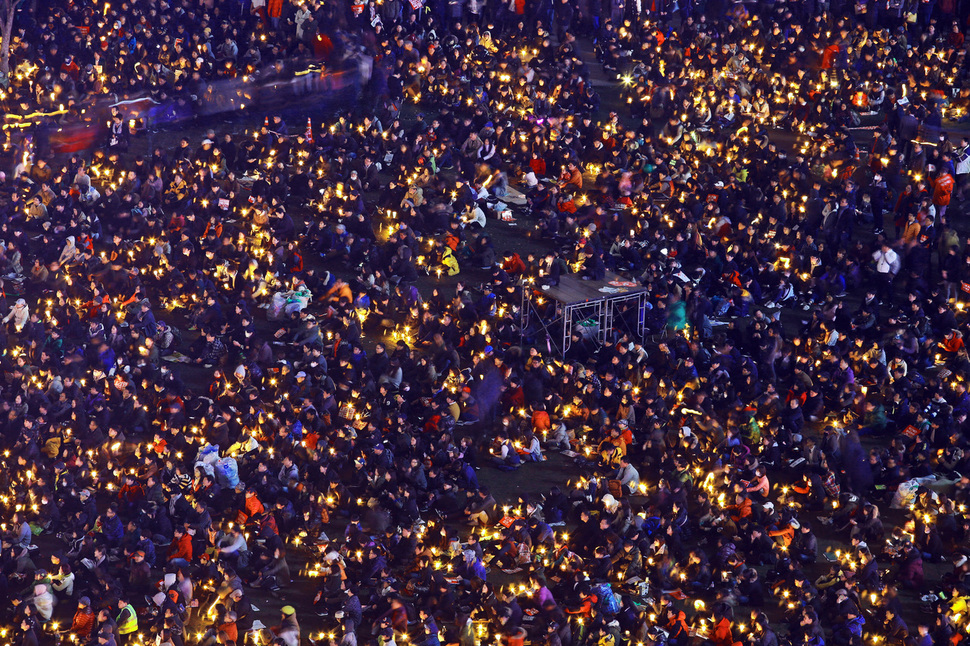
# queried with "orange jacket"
point(230, 630)
point(677, 627)
point(338, 291)
point(952, 345)
point(742, 510)
point(787, 535)
point(803, 488)
point(254, 506)
point(540, 421)
point(722, 633)
point(574, 177)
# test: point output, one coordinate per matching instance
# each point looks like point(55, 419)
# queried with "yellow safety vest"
point(130, 623)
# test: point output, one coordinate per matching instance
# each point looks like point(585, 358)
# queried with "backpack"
point(176, 337)
point(607, 602)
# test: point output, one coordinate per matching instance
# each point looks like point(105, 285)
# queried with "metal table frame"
point(603, 309)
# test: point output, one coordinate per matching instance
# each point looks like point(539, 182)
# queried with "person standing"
point(961, 159)
point(887, 265)
point(127, 621)
point(942, 191)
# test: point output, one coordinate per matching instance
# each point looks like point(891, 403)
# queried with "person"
point(181, 550)
point(480, 507)
point(29, 635)
point(961, 160)
point(83, 622)
point(627, 476)
point(887, 265)
point(804, 547)
point(43, 601)
point(22, 534)
point(234, 548)
point(504, 455)
point(63, 580)
point(713, 224)
point(289, 629)
point(19, 313)
point(127, 622)
point(943, 185)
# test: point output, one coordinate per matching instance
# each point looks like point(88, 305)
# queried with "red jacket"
point(566, 206)
point(828, 56)
point(942, 189)
point(182, 549)
point(514, 265)
point(131, 494)
point(83, 623)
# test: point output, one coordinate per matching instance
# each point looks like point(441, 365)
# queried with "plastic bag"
point(227, 472)
point(906, 491)
point(275, 311)
point(209, 454)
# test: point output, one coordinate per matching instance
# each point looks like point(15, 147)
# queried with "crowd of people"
point(288, 361)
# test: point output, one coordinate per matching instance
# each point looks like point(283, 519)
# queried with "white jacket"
point(886, 261)
point(962, 159)
point(44, 603)
point(19, 313)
